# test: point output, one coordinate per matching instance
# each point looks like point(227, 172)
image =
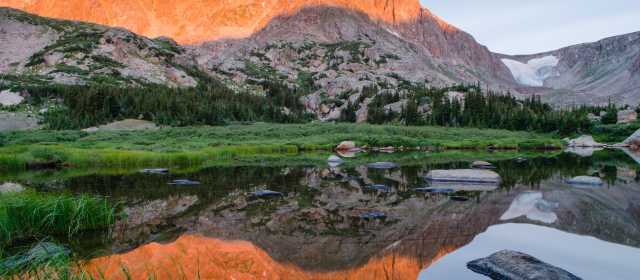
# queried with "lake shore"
point(197, 145)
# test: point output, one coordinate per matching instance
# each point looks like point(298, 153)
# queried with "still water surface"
point(355, 222)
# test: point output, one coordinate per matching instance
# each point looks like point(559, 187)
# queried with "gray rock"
point(125, 125)
point(382, 165)
point(633, 139)
point(464, 175)
point(585, 180)
point(482, 165)
point(11, 188)
point(17, 121)
point(9, 98)
point(335, 159)
point(585, 141)
point(511, 265)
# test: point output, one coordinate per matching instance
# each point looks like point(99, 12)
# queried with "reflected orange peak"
point(195, 21)
point(194, 256)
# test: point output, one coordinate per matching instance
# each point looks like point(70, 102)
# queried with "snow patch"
point(534, 72)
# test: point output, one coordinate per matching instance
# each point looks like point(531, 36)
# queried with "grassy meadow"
point(200, 145)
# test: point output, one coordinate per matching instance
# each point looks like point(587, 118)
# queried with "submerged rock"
point(378, 187)
point(585, 180)
point(382, 165)
point(459, 198)
point(434, 190)
point(465, 186)
point(464, 175)
point(584, 141)
point(184, 182)
point(11, 188)
point(482, 165)
point(373, 215)
point(511, 265)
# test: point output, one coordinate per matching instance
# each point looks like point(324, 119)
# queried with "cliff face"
point(194, 21)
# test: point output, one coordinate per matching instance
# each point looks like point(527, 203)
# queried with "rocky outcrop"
point(592, 73)
point(633, 141)
point(9, 98)
point(518, 266)
point(17, 121)
point(11, 188)
point(65, 52)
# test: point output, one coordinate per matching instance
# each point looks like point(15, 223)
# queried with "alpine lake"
point(293, 219)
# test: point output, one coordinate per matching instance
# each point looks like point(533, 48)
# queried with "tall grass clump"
point(35, 215)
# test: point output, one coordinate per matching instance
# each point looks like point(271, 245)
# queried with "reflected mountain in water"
point(350, 222)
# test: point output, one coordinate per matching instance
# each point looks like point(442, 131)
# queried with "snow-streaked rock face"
point(533, 206)
point(534, 72)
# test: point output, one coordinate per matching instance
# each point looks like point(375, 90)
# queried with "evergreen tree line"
point(483, 110)
point(210, 103)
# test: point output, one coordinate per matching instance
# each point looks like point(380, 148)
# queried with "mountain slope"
point(42, 50)
point(591, 73)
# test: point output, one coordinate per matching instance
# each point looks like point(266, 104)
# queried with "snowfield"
point(534, 72)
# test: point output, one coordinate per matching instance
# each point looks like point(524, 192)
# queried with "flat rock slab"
point(585, 180)
point(585, 141)
point(511, 265)
point(464, 175)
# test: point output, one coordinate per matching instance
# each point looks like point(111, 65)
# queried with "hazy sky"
point(522, 27)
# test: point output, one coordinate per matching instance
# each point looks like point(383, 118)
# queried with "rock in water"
point(464, 175)
point(382, 165)
point(184, 182)
point(335, 159)
point(585, 141)
point(585, 180)
point(511, 265)
point(482, 165)
point(633, 140)
point(346, 146)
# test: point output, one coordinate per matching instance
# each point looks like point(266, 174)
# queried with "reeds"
point(35, 215)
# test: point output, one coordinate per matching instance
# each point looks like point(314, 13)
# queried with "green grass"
point(199, 145)
point(614, 133)
point(31, 215)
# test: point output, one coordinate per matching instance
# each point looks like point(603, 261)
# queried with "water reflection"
point(323, 226)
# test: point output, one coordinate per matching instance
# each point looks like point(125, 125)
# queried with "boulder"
point(585, 180)
point(464, 175)
point(382, 165)
point(346, 146)
point(266, 194)
point(518, 266)
point(11, 188)
point(482, 165)
point(9, 98)
point(585, 141)
point(627, 116)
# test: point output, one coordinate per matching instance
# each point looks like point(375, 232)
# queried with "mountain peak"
point(197, 21)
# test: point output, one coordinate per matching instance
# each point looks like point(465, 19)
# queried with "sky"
point(533, 26)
